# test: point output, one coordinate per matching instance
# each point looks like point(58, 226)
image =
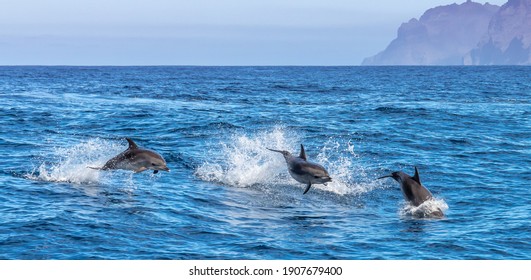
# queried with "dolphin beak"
point(274, 150)
point(386, 176)
point(166, 169)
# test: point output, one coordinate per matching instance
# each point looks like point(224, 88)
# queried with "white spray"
point(243, 161)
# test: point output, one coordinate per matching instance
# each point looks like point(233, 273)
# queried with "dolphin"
point(413, 190)
point(136, 159)
point(304, 171)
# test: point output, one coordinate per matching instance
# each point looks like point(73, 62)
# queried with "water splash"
point(349, 175)
point(70, 164)
point(425, 210)
point(244, 161)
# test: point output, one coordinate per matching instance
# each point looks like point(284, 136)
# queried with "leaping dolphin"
point(304, 171)
point(136, 159)
point(413, 190)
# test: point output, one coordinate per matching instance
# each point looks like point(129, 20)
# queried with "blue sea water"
point(467, 129)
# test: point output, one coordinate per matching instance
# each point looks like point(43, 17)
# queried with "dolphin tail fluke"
point(307, 188)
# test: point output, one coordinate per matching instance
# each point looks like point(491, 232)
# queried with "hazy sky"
point(201, 32)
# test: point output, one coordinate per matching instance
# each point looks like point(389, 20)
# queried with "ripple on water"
point(227, 197)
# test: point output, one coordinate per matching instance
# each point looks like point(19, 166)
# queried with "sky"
point(201, 32)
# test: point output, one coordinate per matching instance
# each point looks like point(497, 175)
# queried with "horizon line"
point(242, 65)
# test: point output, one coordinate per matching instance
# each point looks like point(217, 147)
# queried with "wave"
point(71, 164)
point(244, 161)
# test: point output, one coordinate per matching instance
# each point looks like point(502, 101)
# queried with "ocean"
point(467, 130)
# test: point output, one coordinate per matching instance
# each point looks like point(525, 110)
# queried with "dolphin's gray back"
point(415, 192)
point(117, 161)
point(304, 171)
point(418, 194)
point(304, 167)
point(129, 159)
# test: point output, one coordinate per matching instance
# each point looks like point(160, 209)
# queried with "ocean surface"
point(467, 129)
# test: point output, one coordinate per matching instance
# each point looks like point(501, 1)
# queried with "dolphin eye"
point(153, 164)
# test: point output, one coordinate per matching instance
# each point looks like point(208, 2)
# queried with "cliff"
point(441, 36)
point(508, 39)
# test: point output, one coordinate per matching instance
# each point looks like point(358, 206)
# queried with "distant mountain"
point(442, 36)
point(508, 39)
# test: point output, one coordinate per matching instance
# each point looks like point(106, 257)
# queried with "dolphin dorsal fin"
point(416, 177)
point(302, 154)
point(132, 144)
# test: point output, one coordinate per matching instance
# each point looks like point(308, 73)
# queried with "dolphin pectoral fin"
point(140, 169)
point(307, 188)
point(155, 171)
